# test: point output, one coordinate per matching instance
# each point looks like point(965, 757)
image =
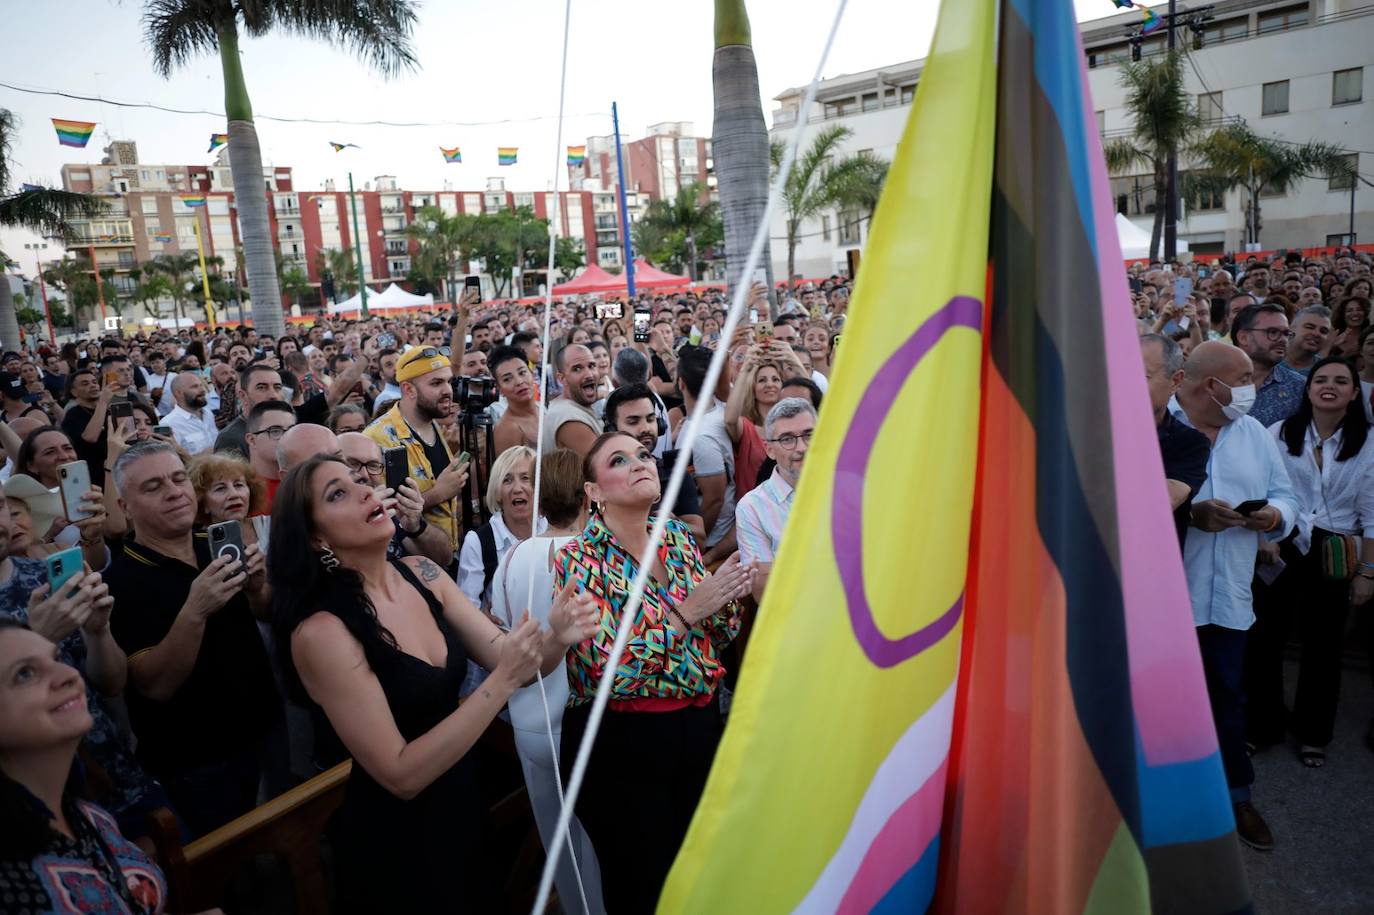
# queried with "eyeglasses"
point(272, 432)
point(372, 467)
point(1274, 333)
point(787, 441)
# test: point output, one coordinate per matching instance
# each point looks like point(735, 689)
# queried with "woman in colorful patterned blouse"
point(655, 745)
point(57, 853)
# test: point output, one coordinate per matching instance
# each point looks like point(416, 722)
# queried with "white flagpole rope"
point(563, 832)
point(705, 401)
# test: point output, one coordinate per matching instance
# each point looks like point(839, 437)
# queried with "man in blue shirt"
point(1262, 332)
point(1219, 553)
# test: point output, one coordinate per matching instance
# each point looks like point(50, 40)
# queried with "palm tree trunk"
point(792, 227)
point(1161, 194)
point(9, 320)
point(739, 141)
point(250, 191)
point(691, 257)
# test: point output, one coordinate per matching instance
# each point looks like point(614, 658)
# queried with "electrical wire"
point(285, 120)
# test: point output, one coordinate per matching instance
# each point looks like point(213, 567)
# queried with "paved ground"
point(1323, 820)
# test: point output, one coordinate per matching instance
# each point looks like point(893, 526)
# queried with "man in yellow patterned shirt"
point(424, 374)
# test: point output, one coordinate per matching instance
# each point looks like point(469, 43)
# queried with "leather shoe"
point(1251, 828)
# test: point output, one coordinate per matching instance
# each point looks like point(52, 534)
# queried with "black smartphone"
point(397, 467)
point(121, 409)
point(164, 431)
point(474, 282)
point(642, 318)
point(226, 539)
point(32, 398)
point(1136, 285)
point(1249, 508)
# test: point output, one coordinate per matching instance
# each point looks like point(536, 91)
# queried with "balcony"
point(389, 208)
point(607, 239)
point(287, 210)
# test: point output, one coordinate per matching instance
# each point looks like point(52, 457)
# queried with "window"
point(687, 146)
point(149, 205)
point(1347, 86)
point(1335, 241)
point(908, 93)
point(1275, 99)
point(839, 109)
point(1108, 54)
point(1202, 196)
point(889, 97)
point(126, 259)
point(1226, 30)
point(1134, 195)
point(1101, 121)
point(871, 102)
point(1279, 20)
point(825, 228)
point(1209, 107)
point(524, 200)
point(849, 228)
point(1347, 181)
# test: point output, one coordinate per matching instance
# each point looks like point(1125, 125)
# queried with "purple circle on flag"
point(846, 512)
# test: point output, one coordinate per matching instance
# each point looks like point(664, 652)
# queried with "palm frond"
point(1124, 156)
point(177, 30)
point(377, 30)
point(48, 211)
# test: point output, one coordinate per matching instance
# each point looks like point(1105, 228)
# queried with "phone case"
point(74, 482)
point(62, 566)
point(226, 537)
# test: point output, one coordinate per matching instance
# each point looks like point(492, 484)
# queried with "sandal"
point(1312, 757)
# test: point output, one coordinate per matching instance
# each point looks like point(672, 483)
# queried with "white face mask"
point(1242, 399)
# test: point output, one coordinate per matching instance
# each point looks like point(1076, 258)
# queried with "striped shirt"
point(761, 517)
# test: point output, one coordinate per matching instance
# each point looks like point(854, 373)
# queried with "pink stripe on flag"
point(1171, 709)
point(898, 846)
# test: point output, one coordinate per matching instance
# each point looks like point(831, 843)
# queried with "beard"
point(436, 409)
point(198, 402)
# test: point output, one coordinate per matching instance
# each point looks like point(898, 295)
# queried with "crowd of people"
point(291, 552)
point(1260, 374)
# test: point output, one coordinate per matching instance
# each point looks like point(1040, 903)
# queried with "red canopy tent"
point(649, 277)
point(593, 279)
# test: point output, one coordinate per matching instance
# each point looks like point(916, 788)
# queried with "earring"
point(329, 560)
point(600, 508)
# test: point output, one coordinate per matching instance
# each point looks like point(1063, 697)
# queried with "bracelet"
point(686, 627)
point(419, 530)
point(1278, 519)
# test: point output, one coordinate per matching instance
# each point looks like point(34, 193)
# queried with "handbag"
point(1340, 552)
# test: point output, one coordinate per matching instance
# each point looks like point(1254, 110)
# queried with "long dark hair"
point(1354, 425)
point(302, 586)
point(29, 448)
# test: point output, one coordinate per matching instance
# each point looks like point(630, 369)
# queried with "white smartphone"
point(74, 482)
point(761, 275)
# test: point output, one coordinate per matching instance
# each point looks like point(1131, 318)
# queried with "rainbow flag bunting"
point(73, 133)
point(340, 147)
point(452, 155)
point(1022, 723)
point(1151, 22)
point(217, 140)
point(505, 155)
point(577, 155)
point(194, 201)
point(165, 239)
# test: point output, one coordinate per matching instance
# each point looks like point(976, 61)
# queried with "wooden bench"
point(289, 826)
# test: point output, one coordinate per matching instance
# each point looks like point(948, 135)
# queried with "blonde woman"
point(510, 499)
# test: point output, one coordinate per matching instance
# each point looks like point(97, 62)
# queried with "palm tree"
point(1236, 156)
point(72, 277)
point(154, 288)
point(739, 140)
point(818, 182)
point(177, 30)
point(444, 243)
point(46, 211)
point(697, 222)
point(339, 265)
point(1165, 122)
point(295, 282)
point(179, 270)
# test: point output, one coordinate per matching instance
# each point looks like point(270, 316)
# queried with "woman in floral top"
point(57, 853)
point(654, 748)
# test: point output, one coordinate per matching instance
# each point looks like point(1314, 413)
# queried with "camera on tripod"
point(473, 395)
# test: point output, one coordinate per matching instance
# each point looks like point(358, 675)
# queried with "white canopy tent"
point(388, 299)
point(1135, 241)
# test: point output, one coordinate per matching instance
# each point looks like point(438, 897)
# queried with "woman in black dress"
point(383, 647)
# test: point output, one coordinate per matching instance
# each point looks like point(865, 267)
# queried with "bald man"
point(192, 422)
point(1245, 500)
point(302, 442)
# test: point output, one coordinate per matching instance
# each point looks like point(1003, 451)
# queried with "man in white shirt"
point(191, 421)
point(761, 515)
point(1220, 551)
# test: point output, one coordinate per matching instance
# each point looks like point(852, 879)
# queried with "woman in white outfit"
point(562, 503)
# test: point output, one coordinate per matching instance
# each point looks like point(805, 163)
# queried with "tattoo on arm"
point(428, 570)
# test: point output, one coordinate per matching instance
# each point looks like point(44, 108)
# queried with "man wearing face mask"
point(1245, 472)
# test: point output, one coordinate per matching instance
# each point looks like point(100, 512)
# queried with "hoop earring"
point(329, 560)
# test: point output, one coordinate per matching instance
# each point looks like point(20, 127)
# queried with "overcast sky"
point(478, 62)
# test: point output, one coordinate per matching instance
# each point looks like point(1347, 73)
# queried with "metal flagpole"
point(624, 215)
point(204, 274)
point(357, 245)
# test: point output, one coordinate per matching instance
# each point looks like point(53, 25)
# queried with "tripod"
point(477, 441)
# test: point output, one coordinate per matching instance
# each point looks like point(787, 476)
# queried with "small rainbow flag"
point(577, 155)
point(194, 201)
point(452, 155)
point(217, 140)
point(165, 239)
point(73, 133)
point(505, 155)
point(1151, 23)
point(340, 147)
